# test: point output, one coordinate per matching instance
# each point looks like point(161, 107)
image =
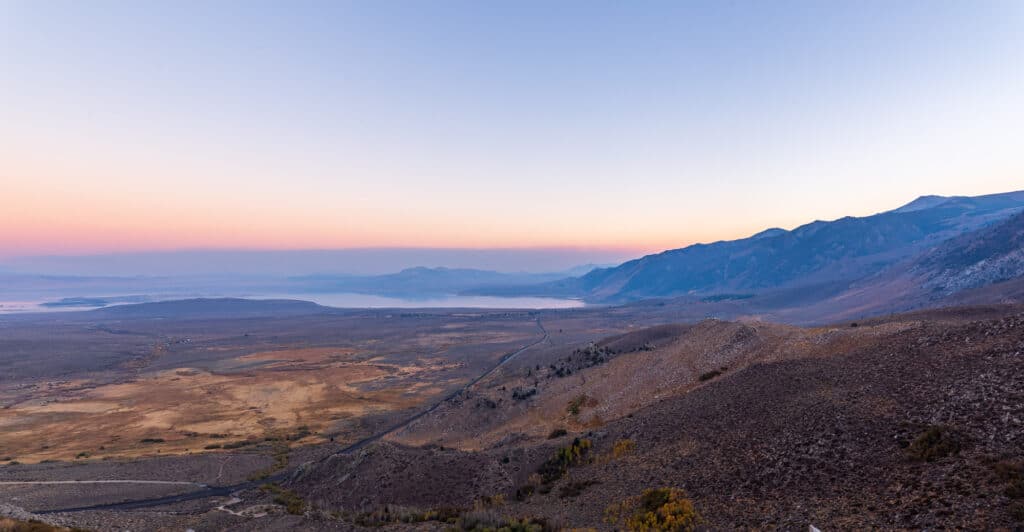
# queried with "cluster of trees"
point(656, 509)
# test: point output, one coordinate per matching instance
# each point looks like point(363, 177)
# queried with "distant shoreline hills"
point(214, 307)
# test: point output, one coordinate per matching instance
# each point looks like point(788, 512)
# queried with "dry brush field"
point(146, 387)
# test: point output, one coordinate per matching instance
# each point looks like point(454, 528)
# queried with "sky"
point(616, 127)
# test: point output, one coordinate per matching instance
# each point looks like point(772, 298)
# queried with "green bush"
point(291, 501)
point(555, 467)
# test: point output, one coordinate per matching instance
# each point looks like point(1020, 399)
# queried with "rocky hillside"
point(991, 255)
point(981, 266)
point(909, 422)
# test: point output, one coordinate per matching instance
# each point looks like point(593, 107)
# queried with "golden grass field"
point(278, 393)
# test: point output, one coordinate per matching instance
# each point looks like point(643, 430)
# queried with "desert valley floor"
point(218, 414)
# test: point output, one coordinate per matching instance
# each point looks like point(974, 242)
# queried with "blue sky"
point(636, 126)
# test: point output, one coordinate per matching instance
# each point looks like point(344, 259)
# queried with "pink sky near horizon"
point(80, 216)
point(166, 126)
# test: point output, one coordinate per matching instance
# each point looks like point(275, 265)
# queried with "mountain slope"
point(987, 256)
point(981, 266)
point(906, 423)
point(822, 253)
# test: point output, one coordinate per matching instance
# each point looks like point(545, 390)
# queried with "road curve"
point(219, 491)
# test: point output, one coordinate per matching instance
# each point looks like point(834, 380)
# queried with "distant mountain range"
point(426, 282)
point(945, 244)
point(26, 292)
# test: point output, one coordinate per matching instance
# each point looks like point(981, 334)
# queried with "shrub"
point(291, 501)
point(460, 520)
point(238, 444)
point(556, 466)
point(489, 501)
point(573, 489)
point(213, 446)
point(574, 406)
point(519, 394)
point(656, 509)
point(151, 440)
point(708, 375)
point(299, 433)
point(934, 443)
point(490, 521)
point(1011, 472)
point(397, 514)
point(280, 462)
point(622, 448)
point(557, 433)
point(589, 356)
point(523, 492)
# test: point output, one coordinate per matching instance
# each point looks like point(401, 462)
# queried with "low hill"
point(210, 307)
